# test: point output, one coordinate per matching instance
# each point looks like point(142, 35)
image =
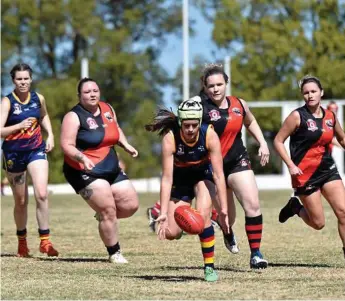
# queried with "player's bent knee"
point(252, 208)
point(340, 213)
point(173, 235)
point(318, 225)
point(108, 214)
point(21, 202)
point(41, 196)
point(20, 206)
point(132, 207)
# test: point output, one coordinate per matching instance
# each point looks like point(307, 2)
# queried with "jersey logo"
point(108, 116)
point(329, 123)
point(17, 109)
point(309, 187)
point(312, 125)
point(237, 111)
point(180, 150)
point(214, 115)
point(9, 164)
point(201, 148)
point(85, 177)
point(92, 123)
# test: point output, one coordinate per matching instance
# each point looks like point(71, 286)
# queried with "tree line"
point(272, 45)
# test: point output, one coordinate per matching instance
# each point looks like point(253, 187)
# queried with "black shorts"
point(79, 179)
point(185, 180)
point(241, 164)
point(312, 186)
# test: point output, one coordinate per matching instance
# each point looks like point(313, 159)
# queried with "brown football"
point(189, 219)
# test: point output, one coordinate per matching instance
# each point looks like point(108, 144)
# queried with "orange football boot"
point(23, 250)
point(47, 247)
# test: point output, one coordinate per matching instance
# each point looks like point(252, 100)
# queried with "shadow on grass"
point(173, 278)
point(302, 265)
point(8, 255)
point(73, 259)
point(70, 259)
point(226, 268)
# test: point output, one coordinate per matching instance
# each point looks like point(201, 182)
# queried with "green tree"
point(122, 40)
point(273, 44)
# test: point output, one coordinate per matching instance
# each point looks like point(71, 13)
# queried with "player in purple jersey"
point(23, 113)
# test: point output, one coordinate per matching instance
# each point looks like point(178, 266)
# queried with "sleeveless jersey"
point(192, 156)
point(25, 139)
point(96, 138)
point(228, 125)
point(309, 146)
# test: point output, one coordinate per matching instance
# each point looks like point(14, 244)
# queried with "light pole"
point(227, 69)
point(185, 23)
point(84, 67)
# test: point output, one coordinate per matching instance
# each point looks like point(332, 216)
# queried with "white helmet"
point(189, 109)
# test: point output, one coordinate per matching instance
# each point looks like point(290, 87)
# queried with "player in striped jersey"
point(228, 114)
point(88, 136)
point(23, 113)
point(188, 150)
point(311, 129)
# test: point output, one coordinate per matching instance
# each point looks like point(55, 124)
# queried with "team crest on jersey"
point(180, 149)
point(312, 125)
point(237, 111)
point(329, 123)
point(9, 164)
point(214, 115)
point(201, 148)
point(17, 109)
point(244, 162)
point(108, 116)
point(92, 123)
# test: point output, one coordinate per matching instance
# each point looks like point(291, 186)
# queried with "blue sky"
point(199, 44)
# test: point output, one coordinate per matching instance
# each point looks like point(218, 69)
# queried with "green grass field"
point(303, 263)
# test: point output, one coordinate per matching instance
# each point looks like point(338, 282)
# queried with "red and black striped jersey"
point(228, 125)
point(96, 138)
point(310, 145)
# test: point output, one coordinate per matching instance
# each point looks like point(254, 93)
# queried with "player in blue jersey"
point(23, 113)
point(188, 150)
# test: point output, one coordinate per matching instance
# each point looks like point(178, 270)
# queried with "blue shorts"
point(185, 179)
point(18, 161)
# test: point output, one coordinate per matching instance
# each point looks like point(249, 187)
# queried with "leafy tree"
point(121, 39)
point(273, 44)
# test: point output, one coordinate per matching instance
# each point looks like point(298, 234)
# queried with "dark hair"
point(20, 67)
point(309, 79)
point(82, 82)
point(212, 69)
point(163, 122)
